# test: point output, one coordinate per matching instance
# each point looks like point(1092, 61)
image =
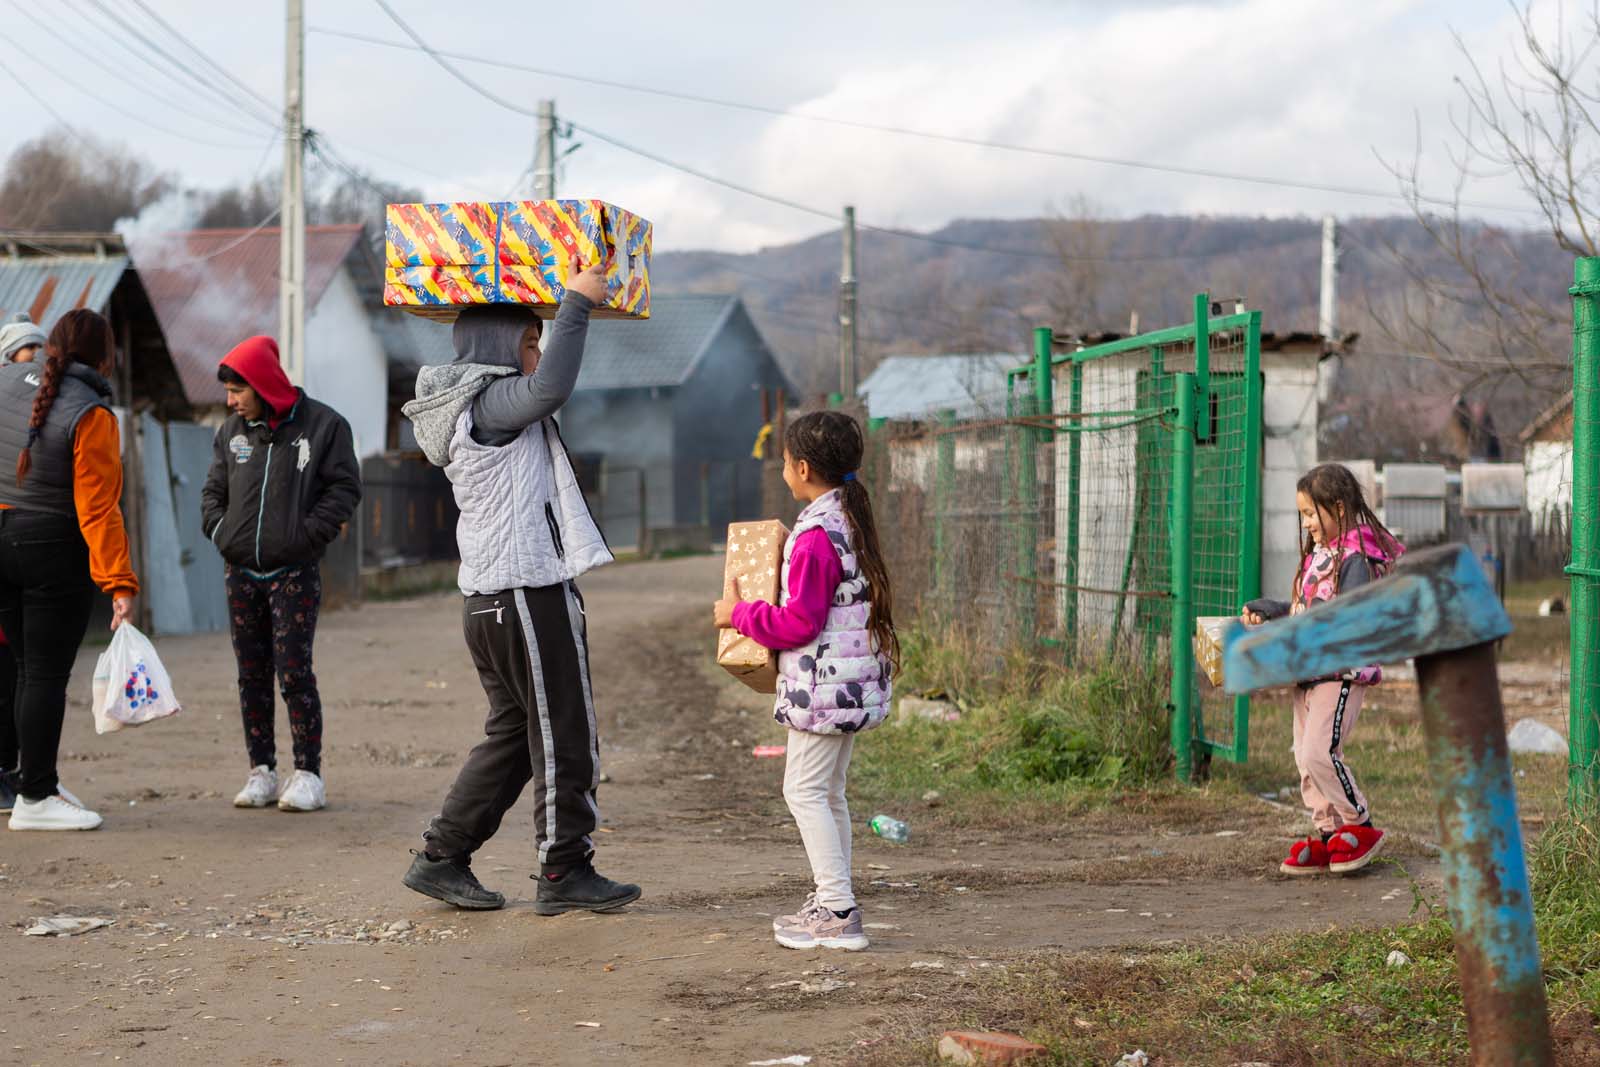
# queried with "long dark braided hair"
point(832, 443)
point(1327, 486)
point(82, 336)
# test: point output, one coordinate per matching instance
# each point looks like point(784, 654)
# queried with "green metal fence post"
point(1202, 364)
point(1043, 403)
point(944, 476)
point(1583, 773)
point(1074, 516)
point(1181, 523)
point(1250, 548)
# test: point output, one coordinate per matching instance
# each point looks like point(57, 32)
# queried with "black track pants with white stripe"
point(531, 650)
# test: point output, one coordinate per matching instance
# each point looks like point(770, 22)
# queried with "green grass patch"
point(1026, 729)
point(1329, 998)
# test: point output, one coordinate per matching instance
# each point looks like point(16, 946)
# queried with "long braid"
point(55, 368)
point(832, 443)
point(82, 336)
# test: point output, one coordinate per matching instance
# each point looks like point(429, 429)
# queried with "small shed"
point(1547, 465)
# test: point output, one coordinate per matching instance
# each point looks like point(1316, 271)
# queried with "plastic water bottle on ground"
point(890, 828)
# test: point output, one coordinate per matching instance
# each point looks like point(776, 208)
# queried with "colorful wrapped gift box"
point(1208, 645)
point(443, 257)
point(755, 563)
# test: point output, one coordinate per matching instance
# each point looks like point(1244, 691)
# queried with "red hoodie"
point(256, 360)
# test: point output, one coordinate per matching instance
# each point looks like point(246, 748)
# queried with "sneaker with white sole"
point(821, 928)
point(52, 813)
point(304, 792)
point(260, 789)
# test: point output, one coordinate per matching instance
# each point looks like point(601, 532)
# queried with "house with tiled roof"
point(674, 402)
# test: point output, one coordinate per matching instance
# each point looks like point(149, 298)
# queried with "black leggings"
point(45, 602)
point(8, 709)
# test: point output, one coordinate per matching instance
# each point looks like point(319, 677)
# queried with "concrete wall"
point(346, 367)
point(632, 429)
point(1548, 465)
point(1289, 415)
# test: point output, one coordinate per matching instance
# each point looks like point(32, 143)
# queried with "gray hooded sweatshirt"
point(523, 518)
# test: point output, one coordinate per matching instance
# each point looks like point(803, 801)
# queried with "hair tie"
point(33, 435)
point(849, 477)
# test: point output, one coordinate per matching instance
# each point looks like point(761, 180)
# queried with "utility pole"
point(1328, 313)
point(847, 309)
point(292, 213)
point(544, 153)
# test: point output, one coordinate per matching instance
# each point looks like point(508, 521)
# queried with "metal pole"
point(544, 153)
point(1074, 506)
point(1485, 875)
point(644, 517)
point(1250, 534)
point(1202, 364)
point(1583, 728)
point(847, 308)
point(1028, 495)
point(1181, 521)
point(292, 210)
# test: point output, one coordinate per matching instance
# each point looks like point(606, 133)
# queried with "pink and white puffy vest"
point(837, 684)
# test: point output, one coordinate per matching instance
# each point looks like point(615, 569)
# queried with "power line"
point(162, 69)
point(113, 105)
point(271, 107)
point(903, 131)
point(209, 84)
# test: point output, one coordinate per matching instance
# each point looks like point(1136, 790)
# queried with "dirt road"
point(257, 937)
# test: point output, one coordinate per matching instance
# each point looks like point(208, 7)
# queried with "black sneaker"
point(582, 889)
point(8, 791)
point(451, 881)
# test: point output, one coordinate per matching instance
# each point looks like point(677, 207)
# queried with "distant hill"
point(1089, 277)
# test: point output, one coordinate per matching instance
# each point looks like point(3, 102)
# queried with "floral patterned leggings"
point(274, 621)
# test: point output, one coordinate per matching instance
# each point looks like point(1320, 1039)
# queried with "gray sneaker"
point(798, 917)
point(821, 928)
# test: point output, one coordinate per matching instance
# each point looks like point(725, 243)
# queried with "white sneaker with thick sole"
point(52, 813)
point(304, 792)
point(260, 789)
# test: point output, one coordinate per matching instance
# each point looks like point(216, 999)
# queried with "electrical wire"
point(903, 131)
point(56, 72)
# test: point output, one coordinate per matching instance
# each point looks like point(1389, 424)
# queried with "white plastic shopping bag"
point(131, 686)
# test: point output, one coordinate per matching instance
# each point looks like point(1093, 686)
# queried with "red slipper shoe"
point(1353, 847)
point(1306, 857)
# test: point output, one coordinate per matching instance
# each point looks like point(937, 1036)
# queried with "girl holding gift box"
point(1342, 546)
point(833, 629)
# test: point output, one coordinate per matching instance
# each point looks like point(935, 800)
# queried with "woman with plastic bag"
point(61, 534)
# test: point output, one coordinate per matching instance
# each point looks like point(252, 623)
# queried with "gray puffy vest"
point(49, 484)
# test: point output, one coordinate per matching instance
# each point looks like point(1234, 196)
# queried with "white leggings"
point(813, 784)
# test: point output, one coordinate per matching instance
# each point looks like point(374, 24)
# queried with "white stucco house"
point(1547, 465)
point(213, 288)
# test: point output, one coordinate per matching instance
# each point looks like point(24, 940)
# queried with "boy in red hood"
point(283, 482)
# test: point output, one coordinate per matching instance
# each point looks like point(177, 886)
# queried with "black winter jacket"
point(278, 497)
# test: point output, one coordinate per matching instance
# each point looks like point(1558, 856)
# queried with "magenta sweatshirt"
point(814, 576)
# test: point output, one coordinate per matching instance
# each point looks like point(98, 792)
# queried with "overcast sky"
point(1304, 90)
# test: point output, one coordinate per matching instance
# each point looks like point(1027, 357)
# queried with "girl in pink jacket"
point(1342, 546)
point(833, 630)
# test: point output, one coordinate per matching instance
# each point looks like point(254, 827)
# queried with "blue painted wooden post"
point(1439, 607)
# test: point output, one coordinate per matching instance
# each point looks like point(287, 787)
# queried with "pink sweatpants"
point(1324, 715)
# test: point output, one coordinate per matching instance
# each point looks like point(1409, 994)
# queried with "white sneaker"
point(259, 790)
point(52, 813)
point(61, 791)
point(303, 793)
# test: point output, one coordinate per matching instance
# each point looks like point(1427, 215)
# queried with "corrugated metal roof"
point(48, 287)
point(660, 351)
point(213, 288)
point(917, 387)
point(619, 353)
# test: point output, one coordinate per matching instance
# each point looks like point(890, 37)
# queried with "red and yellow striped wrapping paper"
point(443, 257)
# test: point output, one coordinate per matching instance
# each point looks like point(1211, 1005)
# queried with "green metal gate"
point(1158, 454)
